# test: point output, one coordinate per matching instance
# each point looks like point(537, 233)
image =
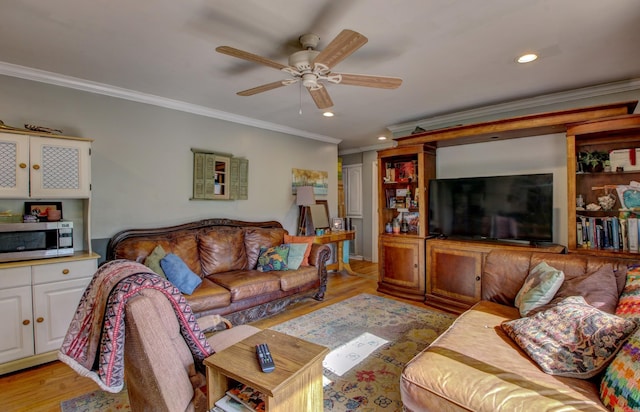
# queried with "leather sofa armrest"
point(319, 255)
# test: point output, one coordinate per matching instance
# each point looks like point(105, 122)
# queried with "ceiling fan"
point(312, 67)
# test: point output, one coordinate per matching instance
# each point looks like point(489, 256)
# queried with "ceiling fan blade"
point(321, 97)
point(380, 82)
point(345, 43)
point(263, 88)
point(249, 56)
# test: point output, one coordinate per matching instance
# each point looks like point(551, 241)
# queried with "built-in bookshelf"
point(604, 205)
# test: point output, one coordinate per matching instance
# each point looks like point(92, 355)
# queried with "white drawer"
point(12, 277)
point(55, 272)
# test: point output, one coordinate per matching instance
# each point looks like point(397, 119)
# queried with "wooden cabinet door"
point(402, 266)
point(454, 275)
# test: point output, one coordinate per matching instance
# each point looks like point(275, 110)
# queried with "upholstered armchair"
point(160, 372)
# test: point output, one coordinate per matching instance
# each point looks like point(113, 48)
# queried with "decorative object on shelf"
point(337, 224)
point(592, 207)
point(388, 227)
point(607, 201)
point(579, 202)
point(593, 162)
point(43, 129)
point(396, 225)
point(317, 179)
point(41, 210)
point(629, 195)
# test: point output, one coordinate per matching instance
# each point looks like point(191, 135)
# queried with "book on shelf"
point(608, 233)
point(248, 396)
point(228, 404)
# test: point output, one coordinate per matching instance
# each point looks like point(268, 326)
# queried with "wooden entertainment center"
point(445, 273)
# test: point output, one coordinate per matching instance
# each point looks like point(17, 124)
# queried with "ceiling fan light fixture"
point(527, 58)
point(328, 114)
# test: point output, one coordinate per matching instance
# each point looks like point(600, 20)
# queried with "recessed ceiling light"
point(327, 114)
point(382, 137)
point(527, 58)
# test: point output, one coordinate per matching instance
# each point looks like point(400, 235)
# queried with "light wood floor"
point(42, 388)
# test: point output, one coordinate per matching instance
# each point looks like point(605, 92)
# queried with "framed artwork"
point(40, 209)
point(316, 178)
point(337, 223)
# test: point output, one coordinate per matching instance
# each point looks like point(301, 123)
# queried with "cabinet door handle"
point(36, 167)
point(22, 165)
point(40, 319)
point(477, 278)
point(65, 271)
point(26, 322)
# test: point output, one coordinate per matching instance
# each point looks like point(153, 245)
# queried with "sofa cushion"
point(221, 250)
point(539, 288)
point(475, 366)
point(273, 258)
point(179, 274)
point(153, 260)
point(598, 287)
point(572, 339)
point(291, 279)
point(256, 238)
point(208, 296)
point(243, 284)
point(306, 240)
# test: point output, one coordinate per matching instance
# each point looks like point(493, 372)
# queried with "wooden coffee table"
point(295, 384)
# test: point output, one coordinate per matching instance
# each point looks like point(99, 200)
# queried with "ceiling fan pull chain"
point(300, 89)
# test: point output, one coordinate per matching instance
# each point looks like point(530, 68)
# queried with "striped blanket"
point(94, 343)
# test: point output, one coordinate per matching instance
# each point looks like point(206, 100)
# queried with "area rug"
point(374, 383)
point(98, 401)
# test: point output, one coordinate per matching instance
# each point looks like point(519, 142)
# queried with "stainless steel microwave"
point(23, 241)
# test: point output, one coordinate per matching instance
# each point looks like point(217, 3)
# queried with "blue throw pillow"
point(179, 274)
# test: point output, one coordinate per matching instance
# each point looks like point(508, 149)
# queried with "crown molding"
point(503, 109)
point(56, 79)
point(376, 147)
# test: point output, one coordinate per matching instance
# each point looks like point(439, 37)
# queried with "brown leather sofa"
point(224, 253)
point(475, 366)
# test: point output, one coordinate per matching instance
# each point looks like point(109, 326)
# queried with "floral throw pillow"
point(539, 288)
point(273, 258)
point(571, 339)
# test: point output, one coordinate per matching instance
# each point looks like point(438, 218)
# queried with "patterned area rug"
point(374, 383)
point(98, 401)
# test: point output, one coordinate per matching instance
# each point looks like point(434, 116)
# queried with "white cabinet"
point(16, 329)
point(37, 303)
point(44, 167)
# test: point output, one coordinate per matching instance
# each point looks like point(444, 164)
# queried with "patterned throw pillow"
point(572, 339)
point(273, 258)
point(619, 390)
point(539, 288)
point(629, 301)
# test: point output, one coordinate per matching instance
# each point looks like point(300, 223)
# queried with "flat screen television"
point(514, 208)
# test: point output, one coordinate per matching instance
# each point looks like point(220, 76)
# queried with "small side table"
point(342, 259)
point(295, 384)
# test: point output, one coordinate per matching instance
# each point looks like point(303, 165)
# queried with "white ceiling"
point(452, 54)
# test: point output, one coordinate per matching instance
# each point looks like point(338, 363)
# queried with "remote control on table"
point(264, 358)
